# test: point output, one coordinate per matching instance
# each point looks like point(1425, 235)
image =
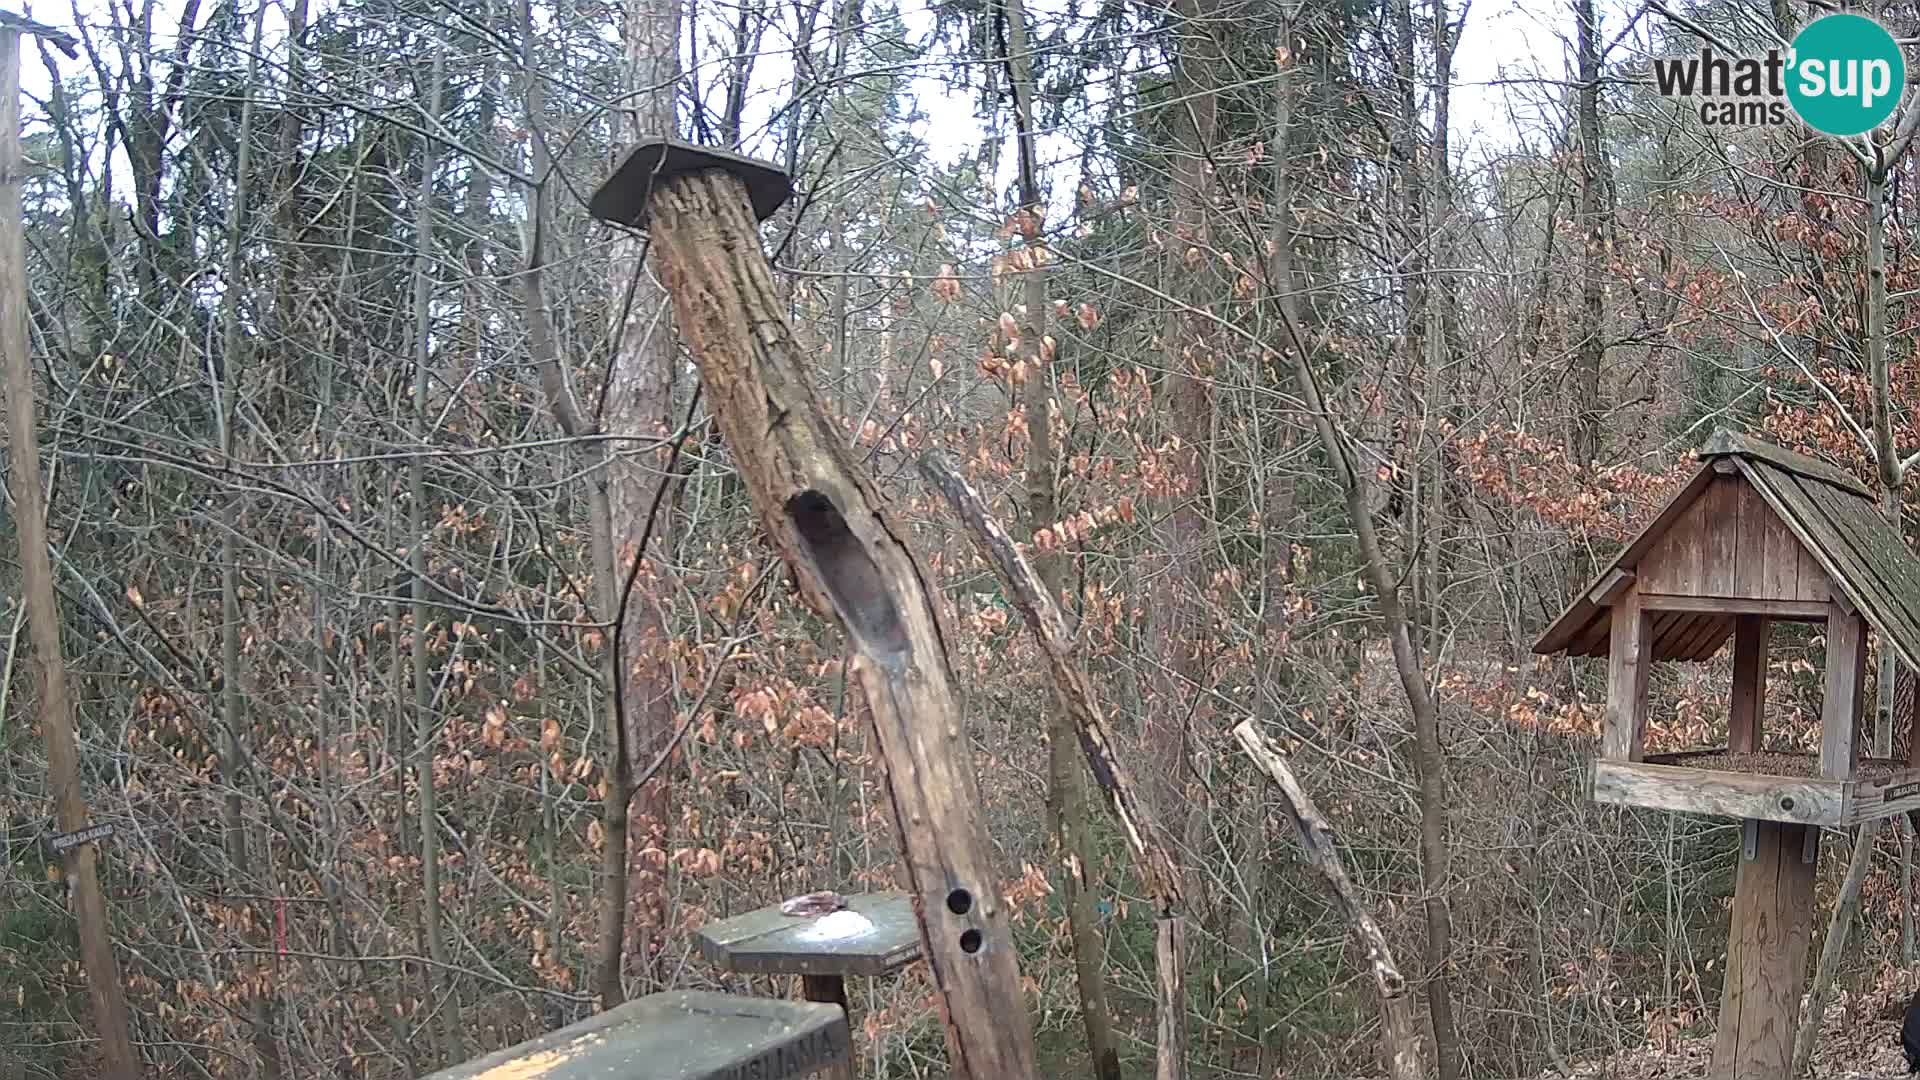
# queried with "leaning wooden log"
point(1151, 858)
point(1402, 1042)
point(850, 562)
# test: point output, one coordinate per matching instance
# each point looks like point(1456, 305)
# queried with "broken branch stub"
point(1402, 1043)
point(826, 520)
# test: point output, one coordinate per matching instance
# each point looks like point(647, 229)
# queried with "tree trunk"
point(1066, 798)
point(104, 988)
point(233, 697)
point(1589, 343)
point(426, 729)
point(826, 520)
point(640, 408)
point(591, 460)
point(1146, 839)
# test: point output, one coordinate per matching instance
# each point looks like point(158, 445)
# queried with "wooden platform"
point(885, 937)
point(1674, 782)
point(678, 1035)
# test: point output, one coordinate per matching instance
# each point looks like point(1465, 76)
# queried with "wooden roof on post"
point(1832, 515)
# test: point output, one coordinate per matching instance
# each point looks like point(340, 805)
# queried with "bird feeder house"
point(1758, 535)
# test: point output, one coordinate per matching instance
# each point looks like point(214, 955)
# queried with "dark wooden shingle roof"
point(1832, 515)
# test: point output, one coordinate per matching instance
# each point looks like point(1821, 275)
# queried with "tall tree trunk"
point(1589, 346)
point(1846, 905)
point(426, 729)
point(104, 988)
point(1177, 634)
point(591, 460)
point(640, 408)
point(233, 697)
point(1066, 794)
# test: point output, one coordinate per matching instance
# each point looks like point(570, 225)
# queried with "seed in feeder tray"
point(839, 926)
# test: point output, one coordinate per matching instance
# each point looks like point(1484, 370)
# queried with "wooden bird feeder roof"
point(1812, 534)
point(625, 196)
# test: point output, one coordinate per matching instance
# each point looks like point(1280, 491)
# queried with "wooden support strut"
point(1151, 858)
point(850, 563)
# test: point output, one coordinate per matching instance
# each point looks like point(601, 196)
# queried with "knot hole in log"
point(852, 578)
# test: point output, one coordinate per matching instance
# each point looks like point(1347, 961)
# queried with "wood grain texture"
point(1750, 634)
point(1846, 677)
point(685, 1034)
point(766, 941)
point(852, 564)
point(1766, 957)
point(1718, 793)
point(1627, 663)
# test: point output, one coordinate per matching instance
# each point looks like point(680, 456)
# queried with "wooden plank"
point(1581, 611)
point(1913, 725)
point(1815, 584)
point(1610, 586)
point(1873, 565)
point(1795, 610)
point(1704, 637)
point(685, 1034)
point(1784, 552)
point(1892, 796)
point(1629, 656)
point(1718, 793)
point(1727, 442)
point(1720, 537)
point(1593, 637)
point(1750, 528)
point(768, 942)
point(1887, 585)
point(1845, 679)
point(1766, 956)
point(1709, 642)
point(1750, 633)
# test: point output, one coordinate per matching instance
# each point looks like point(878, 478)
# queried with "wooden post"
point(1750, 634)
point(1628, 657)
point(1766, 955)
point(1845, 679)
point(830, 990)
point(851, 563)
point(36, 572)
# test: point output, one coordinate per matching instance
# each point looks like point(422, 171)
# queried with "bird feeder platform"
point(1758, 535)
point(1768, 785)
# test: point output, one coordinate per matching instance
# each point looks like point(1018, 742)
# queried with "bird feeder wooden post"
point(850, 561)
point(1758, 535)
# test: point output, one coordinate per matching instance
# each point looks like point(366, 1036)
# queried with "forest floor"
point(1859, 1040)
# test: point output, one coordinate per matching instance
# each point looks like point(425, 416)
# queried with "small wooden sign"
point(83, 836)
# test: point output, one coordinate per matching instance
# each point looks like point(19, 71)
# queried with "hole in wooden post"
point(853, 580)
point(959, 901)
point(970, 941)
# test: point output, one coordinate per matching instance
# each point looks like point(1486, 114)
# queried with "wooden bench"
point(679, 1035)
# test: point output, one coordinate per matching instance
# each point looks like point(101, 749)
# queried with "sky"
point(1502, 40)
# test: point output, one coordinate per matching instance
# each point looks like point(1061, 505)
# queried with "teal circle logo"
point(1847, 74)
